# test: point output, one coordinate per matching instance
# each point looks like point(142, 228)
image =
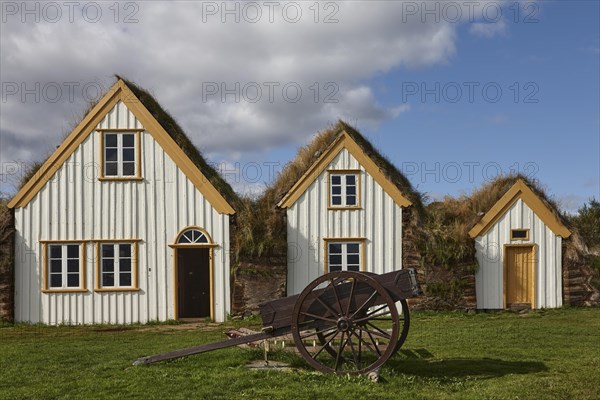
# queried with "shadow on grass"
point(481, 368)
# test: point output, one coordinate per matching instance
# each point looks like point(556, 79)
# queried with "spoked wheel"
point(403, 321)
point(346, 322)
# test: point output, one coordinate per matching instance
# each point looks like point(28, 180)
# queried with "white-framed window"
point(343, 189)
point(117, 266)
point(64, 266)
point(120, 154)
point(193, 236)
point(344, 256)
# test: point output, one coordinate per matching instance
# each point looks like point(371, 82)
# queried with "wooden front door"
point(193, 283)
point(519, 281)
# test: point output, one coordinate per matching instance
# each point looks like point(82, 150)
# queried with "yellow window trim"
point(64, 291)
point(192, 245)
point(120, 179)
point(120, 92)
point(138, 155)
point(519, 239)
point(187, 228)
point(344, 141)
point(519, 190)
point(358, 174)
point(82, 267)
point(360, 240)
point(117, 289)
point(134, 266)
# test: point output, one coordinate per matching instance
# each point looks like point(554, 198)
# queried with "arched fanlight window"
point(192, 236)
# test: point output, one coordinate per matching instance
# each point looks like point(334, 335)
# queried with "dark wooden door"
point(193, 282)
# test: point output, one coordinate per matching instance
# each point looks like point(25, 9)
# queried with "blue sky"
point(555, 140)
point(379, 56)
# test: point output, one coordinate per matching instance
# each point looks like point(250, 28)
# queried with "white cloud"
point(175, 54)
point(498, 119)
point(488, 29)
point(570, 203)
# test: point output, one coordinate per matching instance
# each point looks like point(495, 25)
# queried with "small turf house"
point(344, 210)
point(518, 245)
point(124, 223)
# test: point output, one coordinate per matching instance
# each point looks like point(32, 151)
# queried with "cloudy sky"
point(452, 92)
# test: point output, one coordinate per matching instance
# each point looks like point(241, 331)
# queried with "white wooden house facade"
point(344, 213)
point(120, 226)
point(518, 245)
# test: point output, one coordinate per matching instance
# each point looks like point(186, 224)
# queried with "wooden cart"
point(343, 322)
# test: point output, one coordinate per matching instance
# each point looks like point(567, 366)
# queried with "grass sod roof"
point(448, 222)
point(310, 153)
point(484, 198)
point(178, 135)
point(262, 230)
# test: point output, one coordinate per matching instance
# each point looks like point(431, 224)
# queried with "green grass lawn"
point(552, 354)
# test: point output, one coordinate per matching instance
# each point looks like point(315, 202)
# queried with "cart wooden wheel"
point(403, 320)
point(346, 322)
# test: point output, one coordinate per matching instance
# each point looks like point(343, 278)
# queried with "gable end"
point(520, 190)
point(342, 141)
point(120, 92)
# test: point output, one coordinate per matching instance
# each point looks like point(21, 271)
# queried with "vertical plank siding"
point(75, 205)
point(490, 255)
point(378, 221)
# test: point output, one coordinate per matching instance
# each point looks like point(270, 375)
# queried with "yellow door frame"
point(533, 266)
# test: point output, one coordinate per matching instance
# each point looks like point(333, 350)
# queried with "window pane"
point(110, 169)
point(353, 259)
point(55, 251)
point(55, 280)
point(110, 140)
point(128, 140)
point(108, 279)
point(202, 239)
point(333, 268)
point(335, 259)
point(350, 200)
point(125, 279)
point(351, 190)
point(73, 251)
point(353, 247)
point(335, 248)
point(124, 250)
point(186, 237)
point(107, 265)
point(128, 155)
point(55, 266)
point(125, 265)
point(73, 266)
point(111, 155)
point(108, 250)
point(336, 190)
point(128, 168)
point(353, 268)
point(350, 180)
point(336, 200)
point(336, 179)
point(519, 233)
point(73, 280)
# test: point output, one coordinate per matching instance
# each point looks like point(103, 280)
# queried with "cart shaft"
point(203, 348)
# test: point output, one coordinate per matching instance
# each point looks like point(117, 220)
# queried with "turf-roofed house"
point(344, 204)
point(123, 222)
point(518, 244)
